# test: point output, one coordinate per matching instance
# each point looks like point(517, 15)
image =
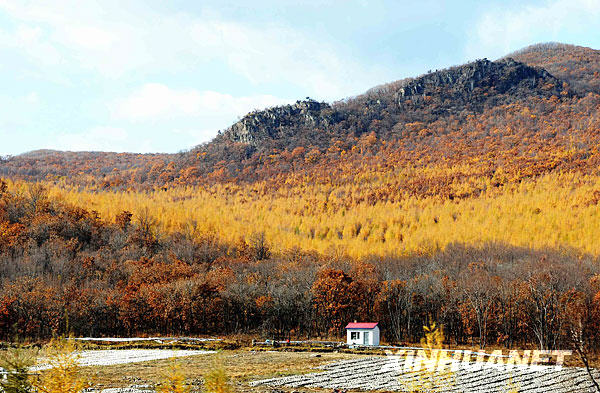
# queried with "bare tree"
point(479, 290)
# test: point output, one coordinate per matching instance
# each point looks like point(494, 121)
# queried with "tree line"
point(64, 269)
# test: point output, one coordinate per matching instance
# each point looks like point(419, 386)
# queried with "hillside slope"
point(519, 113)
point(578, 66)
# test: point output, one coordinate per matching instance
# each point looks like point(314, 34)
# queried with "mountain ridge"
point(577, 65)
point(429, 116)
point(501, 75)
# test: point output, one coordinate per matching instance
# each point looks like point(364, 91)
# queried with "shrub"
point(15, 362)
point(64, 375)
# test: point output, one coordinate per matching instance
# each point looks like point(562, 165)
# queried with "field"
point(385, 374)
point(123, 356)
point(137, 371)
point(241, 366)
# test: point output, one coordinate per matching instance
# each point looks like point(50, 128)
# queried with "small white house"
point(362, 333)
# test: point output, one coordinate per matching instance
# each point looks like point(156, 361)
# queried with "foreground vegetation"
point(226, 371)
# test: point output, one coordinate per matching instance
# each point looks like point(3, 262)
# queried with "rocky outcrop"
point(270, 123)
point(501, 76)
point(454, 90)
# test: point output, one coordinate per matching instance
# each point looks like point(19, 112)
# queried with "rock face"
point(454, 89)
point(501, 76)
point(272, 122)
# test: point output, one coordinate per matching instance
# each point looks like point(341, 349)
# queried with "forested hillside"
point(298, 218)
point(506, 115)
point(64, 268)
point(578, 66)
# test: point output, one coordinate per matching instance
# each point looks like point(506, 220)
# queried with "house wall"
point(349, 341)
point(373, 336)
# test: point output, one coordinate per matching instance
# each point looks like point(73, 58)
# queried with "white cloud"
point(134, 138)
point(95, 139)
point(18, 110)
point(276, 53)
point(77, 34)
point(154, 102)
point(32, 98)
point(501, 31)
point(117, 39)
point(89, 37)
point(30, 42)
point(104, 52)
point(195, 136)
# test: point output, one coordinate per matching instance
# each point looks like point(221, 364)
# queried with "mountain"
point(421, 119)
point(456, 91)
point(507, 113)
point(576, 65)
point(468, 88)
point(93, 168)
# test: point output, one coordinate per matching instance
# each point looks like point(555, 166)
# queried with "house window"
point(354, 335)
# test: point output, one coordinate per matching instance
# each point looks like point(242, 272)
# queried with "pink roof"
point(361, 325)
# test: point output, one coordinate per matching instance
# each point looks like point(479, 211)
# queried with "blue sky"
point(163, 76)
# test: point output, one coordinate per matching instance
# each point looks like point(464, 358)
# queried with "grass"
point(208, 346)
point(241, 366)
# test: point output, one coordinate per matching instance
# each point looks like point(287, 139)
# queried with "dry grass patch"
point(241, 366)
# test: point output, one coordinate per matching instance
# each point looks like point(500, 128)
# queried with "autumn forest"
point(467, 196)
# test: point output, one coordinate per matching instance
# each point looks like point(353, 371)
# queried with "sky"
point(164, 76)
